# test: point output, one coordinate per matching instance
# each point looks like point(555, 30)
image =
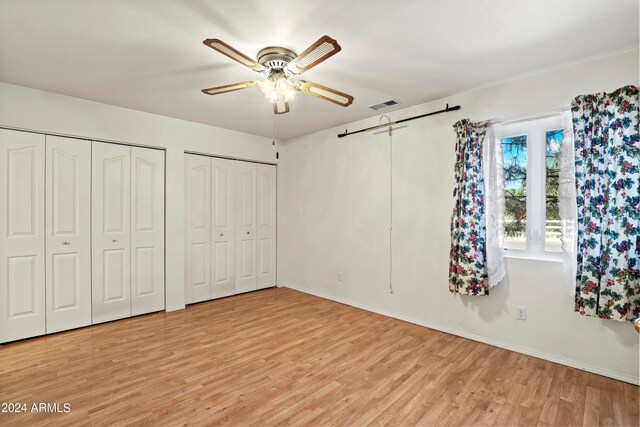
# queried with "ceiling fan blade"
point(321, 50)
point(324, 92)
point(281, 106)
point(228, 88)
point(232, 53)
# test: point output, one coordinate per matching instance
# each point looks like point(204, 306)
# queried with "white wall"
point(48, 112)
point(334, 212)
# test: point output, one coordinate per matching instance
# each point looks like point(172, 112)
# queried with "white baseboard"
point(497, 343)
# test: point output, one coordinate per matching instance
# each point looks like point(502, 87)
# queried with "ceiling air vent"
point(385, 104)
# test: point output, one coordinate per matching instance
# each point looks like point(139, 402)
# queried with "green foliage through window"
point(553, 141)
point(514, 153)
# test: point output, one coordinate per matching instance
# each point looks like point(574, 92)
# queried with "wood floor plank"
point(281, 357)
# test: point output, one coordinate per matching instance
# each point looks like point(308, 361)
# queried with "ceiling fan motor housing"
point(275, 57)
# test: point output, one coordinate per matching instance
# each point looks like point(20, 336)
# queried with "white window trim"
point(535, 131)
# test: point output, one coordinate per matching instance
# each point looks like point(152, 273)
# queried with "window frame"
point(535, 131)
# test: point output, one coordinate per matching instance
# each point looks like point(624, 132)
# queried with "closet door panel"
point(198, 228)
point(68, 239)
point(223, 227)
point(266, 226)
point(111, 212)
point(246, 227)
point(22, 235)
point(147, 230)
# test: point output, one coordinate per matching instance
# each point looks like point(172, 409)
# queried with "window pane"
point(552, 165)
point(514, 153)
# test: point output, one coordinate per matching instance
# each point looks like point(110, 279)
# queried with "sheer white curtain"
point(494, 200)
point(567, 202)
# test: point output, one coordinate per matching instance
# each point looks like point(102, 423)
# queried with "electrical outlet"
point(521, 312)
point(340, 276)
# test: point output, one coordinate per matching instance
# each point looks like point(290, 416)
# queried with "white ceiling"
point(148, 54)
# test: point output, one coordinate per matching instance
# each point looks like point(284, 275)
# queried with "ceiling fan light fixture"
point(277, 87)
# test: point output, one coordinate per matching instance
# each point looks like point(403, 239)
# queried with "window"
point(530, 152)
point(514, 154)
point(553, 139)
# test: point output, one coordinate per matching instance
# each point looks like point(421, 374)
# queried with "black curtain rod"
point(445, 110)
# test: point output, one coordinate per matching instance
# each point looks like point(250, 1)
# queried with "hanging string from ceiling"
point(275, 134)
point(390, 128)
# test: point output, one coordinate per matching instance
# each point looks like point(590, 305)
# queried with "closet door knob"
point(114, 240)
point(248, 232)
point(221, 234)
point(66, 243)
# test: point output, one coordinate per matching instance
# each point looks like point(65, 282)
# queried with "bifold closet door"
point(111, 237)
point(230, 217)
point(22, 235)
point(147, 230)
point(246, 227)
point(223, 227)
point(198, 228)
point(266, 244)
point(68, 238)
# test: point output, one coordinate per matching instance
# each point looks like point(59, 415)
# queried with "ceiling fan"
point(278, 65)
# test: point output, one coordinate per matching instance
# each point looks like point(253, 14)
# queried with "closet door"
point(147, 230)
point(111, 213)
point(266, 244)
point(22, 275)
point(198, 228)
point(223, 227)
point(68, 246)
point(246, 228)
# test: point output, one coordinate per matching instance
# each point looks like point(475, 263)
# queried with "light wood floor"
point(283, 357)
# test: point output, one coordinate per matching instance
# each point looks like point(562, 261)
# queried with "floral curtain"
point(607, 161)
point(467, 266)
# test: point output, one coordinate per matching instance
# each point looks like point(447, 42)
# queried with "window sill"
point(533, 257)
